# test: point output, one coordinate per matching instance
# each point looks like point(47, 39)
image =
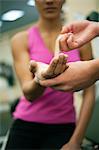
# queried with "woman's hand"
point(71, 146)
point(45, 71)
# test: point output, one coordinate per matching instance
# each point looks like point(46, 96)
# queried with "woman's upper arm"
point(86, 52)
point(21, 57)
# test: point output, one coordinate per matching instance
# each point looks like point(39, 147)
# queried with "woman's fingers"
point(56, 67)
point(50, 71)
point(61, 65)
point(64, 64)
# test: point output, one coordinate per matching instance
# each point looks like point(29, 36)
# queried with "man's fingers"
point(65, 88)
point(63, 42)
point(48, 82)
point(71, 42)
point(66, 29)
point(54, 84)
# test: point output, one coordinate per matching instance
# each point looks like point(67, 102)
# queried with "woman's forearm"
point(32, 90)
point(97, 29)
point(85, 115)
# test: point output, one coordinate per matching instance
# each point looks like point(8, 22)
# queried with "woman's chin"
point(51, 16)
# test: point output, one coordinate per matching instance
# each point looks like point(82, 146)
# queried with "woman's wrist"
point(75, 142)
point(37, 85)
point(32, 87)
point(76, 138)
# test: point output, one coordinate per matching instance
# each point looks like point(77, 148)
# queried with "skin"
point(55, 68)
point(32, 89)
point(88, 97)
point(77, 34)
point(75, 79)
point(82, 32)
point(47, 30)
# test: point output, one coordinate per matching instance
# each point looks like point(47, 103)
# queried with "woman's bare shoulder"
point(19, 43)
point(20, 36)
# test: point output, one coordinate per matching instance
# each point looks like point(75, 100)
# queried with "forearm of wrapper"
point(95, 67)
point(96, 29)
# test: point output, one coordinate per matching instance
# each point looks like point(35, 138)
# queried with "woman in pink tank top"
point(45, 118)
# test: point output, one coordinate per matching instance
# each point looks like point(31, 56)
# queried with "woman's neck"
point(49, 26)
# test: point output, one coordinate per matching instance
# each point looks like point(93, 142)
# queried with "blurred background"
point(17, 15)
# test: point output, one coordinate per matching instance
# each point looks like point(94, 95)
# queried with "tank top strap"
point(32, 36)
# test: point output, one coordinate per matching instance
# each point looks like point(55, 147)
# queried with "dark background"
point(30, 15)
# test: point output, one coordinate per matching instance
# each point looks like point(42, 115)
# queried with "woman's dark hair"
point(93, 16)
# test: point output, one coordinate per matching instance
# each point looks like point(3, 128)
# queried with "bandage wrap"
point(42, 67)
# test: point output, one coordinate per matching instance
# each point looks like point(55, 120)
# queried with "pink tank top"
point(53, 107)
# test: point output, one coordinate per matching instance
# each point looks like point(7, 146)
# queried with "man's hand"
point(77, 76)
point(55, 68)
point(77, 34)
